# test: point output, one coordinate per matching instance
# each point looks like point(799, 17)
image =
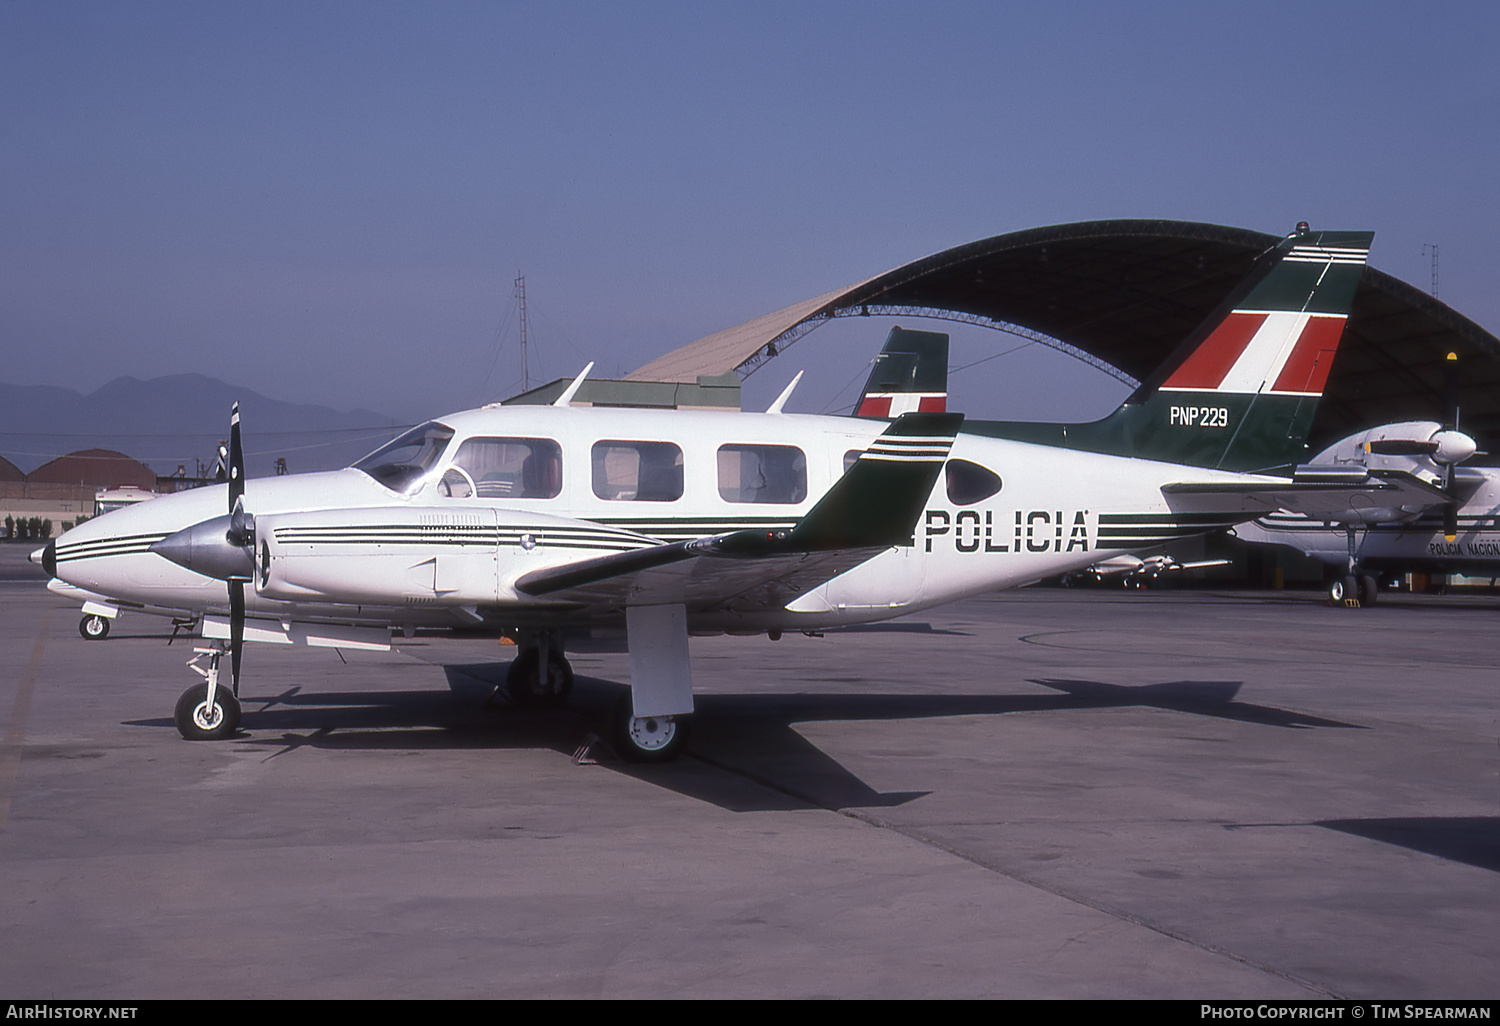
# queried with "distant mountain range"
point(179, 420)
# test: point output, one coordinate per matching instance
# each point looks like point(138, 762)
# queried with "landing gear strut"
point(1353, 589)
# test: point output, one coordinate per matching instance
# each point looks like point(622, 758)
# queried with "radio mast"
point(521, 299)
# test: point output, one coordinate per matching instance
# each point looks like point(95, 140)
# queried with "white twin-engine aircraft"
point(532, 520)
point(1454, 531)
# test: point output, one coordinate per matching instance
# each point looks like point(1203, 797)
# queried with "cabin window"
point(762, 473)
point(637, 471)
point(402, 463)
point(505, 468)
point(969, 483)
point(852, 457)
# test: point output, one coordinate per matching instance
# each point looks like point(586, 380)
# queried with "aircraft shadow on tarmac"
point(1473, 840)
point(747, 755)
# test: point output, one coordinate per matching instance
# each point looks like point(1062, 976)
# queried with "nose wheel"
point(207, 711)
point(94, 627)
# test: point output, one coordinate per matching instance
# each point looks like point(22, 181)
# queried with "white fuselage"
point(446, 548)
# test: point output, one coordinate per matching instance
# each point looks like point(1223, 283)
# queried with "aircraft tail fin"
point(909, 376)
point(1240, 392)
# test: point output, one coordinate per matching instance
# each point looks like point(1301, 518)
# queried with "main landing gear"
point(94, 627)
point(532, 687)
point(541, 678)
point(1353, 589)
point(207, 711)
point(646, 738)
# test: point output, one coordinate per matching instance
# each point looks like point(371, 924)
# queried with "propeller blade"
point(236, 459)
point(236, 631)
point(1450, 521)
point(237, 527)
point(1450, 392)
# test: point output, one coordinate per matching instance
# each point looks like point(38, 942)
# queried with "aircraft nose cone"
point(46, 557)
point(205, 548)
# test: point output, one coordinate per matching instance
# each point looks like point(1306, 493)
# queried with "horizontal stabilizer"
point(1315, 495)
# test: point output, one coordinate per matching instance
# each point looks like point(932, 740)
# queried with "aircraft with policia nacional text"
point(1456, 530)
point(537, 520)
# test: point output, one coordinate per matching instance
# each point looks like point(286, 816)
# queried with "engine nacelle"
point(380, 556)
point(458, 555)
point(1420, 447)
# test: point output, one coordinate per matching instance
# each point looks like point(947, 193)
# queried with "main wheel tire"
point(196, 721)
point(647, 738)
point(526, 687)
point(94, 627)
point(1343, 590)
point(1369, 590)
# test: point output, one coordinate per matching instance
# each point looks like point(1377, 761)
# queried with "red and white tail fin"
point(1280, 339)
point(1240, 392)
point(910, 376)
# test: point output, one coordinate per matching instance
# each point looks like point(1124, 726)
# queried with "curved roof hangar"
point(99, 468)
point(1121, 295)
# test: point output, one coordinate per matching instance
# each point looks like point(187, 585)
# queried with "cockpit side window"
point(762, 473)
point(401, 464)
point(505, 468)
point(637, 471)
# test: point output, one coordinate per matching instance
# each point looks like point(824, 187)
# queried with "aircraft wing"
point(871, 508)
point(1314, 491)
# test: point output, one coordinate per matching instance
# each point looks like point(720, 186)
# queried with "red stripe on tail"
point(1306, 370)
point(1206, 367)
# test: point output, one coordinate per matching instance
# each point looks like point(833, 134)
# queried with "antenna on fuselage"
point(785, 394)
point(572, 390)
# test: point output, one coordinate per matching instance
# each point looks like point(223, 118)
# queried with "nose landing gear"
point(207, 711)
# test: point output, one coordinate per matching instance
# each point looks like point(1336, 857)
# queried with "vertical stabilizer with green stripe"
point(1240, 392)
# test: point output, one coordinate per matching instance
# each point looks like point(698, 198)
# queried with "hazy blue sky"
point(327, 202)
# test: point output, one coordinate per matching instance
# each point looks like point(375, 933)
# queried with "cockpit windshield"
point(402, 463)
